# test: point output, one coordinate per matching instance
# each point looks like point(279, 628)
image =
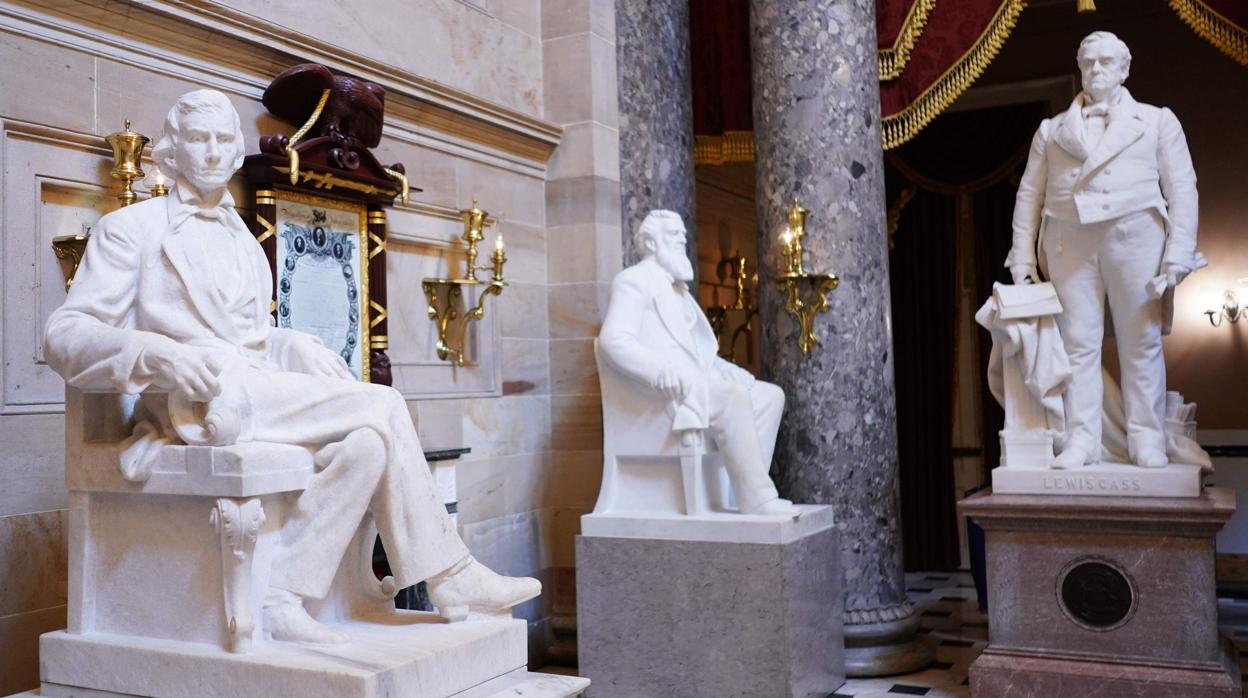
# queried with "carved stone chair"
point(648, 468)
point(199, 533)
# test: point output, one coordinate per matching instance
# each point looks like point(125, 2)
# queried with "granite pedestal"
point(1103, 596)
point(714, 605)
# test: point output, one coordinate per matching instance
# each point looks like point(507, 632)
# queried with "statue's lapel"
point(197, 289)
point(667, 304)
point(1069, 135)
point(1126, 125)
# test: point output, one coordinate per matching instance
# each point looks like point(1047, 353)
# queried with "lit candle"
point(160, 184)
point(498, 243)
point(786, 239)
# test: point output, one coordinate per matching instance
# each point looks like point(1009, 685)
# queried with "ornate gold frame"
point(278, 194)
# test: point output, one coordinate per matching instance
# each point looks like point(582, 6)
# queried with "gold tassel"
point(1087, 6)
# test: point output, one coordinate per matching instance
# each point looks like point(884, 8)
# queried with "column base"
point(884, 649)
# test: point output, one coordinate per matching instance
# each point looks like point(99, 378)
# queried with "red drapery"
point(956, 44)
point(1223, 23)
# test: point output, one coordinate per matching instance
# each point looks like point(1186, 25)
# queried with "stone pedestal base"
point(404, 655)
point(1100, 480)
point(743, 606)
point(1102, 596)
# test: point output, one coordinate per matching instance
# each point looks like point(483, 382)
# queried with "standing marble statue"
point(172, 299)
point(1109, 193)
point(656, 334)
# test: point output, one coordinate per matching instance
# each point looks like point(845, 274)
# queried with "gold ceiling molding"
point(904, 125)
point(733, 146)
point(1224, 34)
point(891, 61)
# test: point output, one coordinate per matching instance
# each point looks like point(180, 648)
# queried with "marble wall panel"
point(46, 84)
point(583, 252)
point(32, 549)
point(524, 15)
point(507, 425)
point(587, 148)
point(450, 42)
point(576, 310)
point(526, 367)
point(575, 478)
point(506, 195)
point(576, 422)
point(565, 526)
point(522, 311)
point(32, 464)
point(567, 17)
point(526, 251)
point(19, 636)
point(490, 488)
point(573, 370)
point(586, 199)
point(585, 95)
point(494, 542)
point(440, 423)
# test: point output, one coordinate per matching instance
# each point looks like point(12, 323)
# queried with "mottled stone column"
point(656, 115)
point(817, 134)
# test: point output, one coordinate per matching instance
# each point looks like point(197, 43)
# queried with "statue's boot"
point(1152, 459)
point(1073, 457)
point(471, 586)
point(773, 507)
point(285, 619)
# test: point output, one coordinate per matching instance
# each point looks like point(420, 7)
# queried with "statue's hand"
point(673, 383)
point(1174, 273)
point(187, 371)
point(1024, 273)
point(307, 354)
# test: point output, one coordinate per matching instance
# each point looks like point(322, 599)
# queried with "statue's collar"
point(185, 202)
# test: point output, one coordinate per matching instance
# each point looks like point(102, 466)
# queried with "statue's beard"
point(678, 265)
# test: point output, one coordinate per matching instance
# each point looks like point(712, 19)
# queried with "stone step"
point(528, 684)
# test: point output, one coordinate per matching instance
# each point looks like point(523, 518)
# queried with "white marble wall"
point(510, 101)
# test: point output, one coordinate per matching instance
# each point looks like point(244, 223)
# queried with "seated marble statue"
point(172, 299)
point(656, 334)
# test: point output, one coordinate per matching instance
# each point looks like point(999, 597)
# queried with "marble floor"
point(951, 617)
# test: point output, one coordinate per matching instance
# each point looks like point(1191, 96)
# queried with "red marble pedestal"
point(1102, 596)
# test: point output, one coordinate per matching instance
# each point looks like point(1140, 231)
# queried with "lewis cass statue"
point(1107, 208)
point(172, 302)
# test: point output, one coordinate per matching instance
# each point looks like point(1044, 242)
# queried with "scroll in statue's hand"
point(188, 371)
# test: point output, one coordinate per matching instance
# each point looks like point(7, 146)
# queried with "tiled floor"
point(951, 617)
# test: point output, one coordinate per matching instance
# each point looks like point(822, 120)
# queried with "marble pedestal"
point(715, 605)
point(1103, 596)
point(407, 654)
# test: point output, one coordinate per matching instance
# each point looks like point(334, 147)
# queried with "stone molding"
point(884, 614)
point(236, 52)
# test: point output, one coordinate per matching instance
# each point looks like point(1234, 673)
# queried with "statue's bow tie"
point(221, 214)
point(1096, 110)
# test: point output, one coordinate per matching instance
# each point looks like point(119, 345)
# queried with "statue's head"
point(202, 142)
point(662, 236)
point(1104, 60)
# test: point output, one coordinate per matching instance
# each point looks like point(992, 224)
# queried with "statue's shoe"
point(476, 587)
point(1071, 458)
point(288, 621)
point(1152, 459)
point(774, 507)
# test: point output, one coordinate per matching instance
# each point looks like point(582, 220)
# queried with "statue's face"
point(207, 149)
point(669, 251)
point(1104, 69)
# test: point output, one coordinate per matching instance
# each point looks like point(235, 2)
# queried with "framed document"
point(321, 273)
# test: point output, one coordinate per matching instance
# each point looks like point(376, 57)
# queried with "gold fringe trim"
point(733, 146)
point(891, 61)
point(1085, 6)
point(907, 123)
point(1228, 37)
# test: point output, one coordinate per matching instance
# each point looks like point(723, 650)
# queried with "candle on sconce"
point(160, 183)
point(500, 256)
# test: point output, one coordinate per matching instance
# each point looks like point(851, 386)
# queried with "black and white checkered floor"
point(951, 617)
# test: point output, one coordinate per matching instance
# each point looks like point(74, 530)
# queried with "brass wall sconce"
point(1233, 306)
point(734, 267)
point(807, 293)
point(444, 294)
point(127, 159)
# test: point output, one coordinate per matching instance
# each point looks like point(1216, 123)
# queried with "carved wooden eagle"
point(354, 111)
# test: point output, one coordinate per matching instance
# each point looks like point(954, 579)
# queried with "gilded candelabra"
point(806, 293)
point(444, 295)
point(734, 267)
point(127, 158)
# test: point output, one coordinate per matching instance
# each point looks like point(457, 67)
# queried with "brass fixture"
point(807, 293)
point(444, 294)
point(127, 153)
point(71, 248)
point(1234, 306)
point(734, 267)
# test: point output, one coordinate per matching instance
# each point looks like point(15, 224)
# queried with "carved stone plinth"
point(1103, 596)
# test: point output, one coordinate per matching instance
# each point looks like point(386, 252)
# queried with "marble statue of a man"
point(1110, 193)
point(656, 334)
point(173, 297)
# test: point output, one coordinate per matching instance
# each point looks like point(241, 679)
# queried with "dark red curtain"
point(962, 171)
point(719, 44)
